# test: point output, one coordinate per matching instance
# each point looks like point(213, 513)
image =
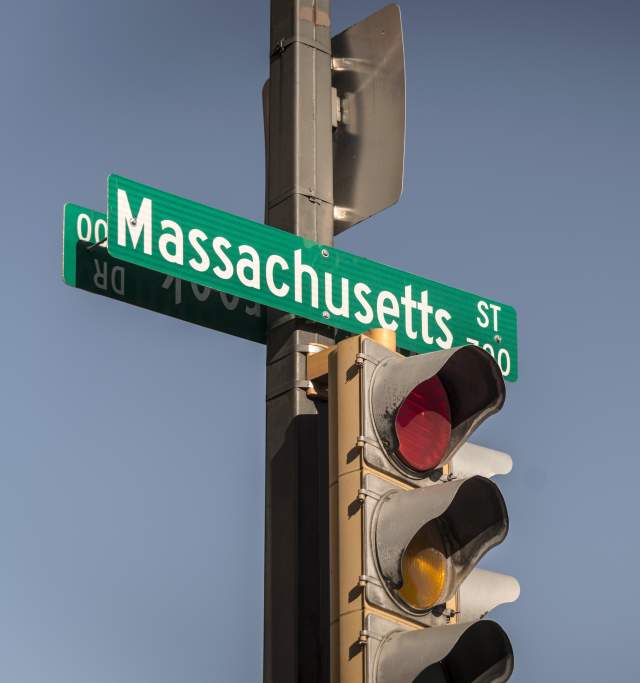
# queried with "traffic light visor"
point(429, 539)
point(425, 407)
point(464, 653)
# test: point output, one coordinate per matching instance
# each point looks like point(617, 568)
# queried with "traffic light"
point(413, 509)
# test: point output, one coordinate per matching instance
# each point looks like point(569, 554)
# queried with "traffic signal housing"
point(410, 518)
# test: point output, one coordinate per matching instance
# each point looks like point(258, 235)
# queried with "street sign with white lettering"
point(212, 248)
point(88, 265)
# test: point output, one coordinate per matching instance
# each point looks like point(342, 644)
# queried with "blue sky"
point(132, 488)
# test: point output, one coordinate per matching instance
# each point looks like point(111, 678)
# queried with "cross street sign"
point(88, 265)
point(200, 244)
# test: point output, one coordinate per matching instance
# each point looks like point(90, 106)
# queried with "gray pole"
point(299, 200)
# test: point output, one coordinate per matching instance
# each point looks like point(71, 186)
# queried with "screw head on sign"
point(325, 253)
point(497, 339)
point(325, 314)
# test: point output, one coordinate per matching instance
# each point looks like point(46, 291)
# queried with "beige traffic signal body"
point(345, 514)
point(403, 539)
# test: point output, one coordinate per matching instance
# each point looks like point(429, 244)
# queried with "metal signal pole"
point(299, 200)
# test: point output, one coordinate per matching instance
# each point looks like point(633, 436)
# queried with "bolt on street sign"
point(212, 248)
point(86, 264)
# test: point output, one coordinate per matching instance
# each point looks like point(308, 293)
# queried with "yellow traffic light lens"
point(423, 579)
point(424, 570)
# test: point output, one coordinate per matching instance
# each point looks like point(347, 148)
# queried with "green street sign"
point(200, 244)
point(86, 264)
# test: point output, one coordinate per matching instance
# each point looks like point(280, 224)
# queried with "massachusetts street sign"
point(88, 265)
point(201, 244)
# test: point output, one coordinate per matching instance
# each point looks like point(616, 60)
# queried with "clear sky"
point(132, 479)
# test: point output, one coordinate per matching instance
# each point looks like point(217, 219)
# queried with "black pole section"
point(300, 201)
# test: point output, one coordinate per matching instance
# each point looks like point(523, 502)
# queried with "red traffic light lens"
point(423, 426)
